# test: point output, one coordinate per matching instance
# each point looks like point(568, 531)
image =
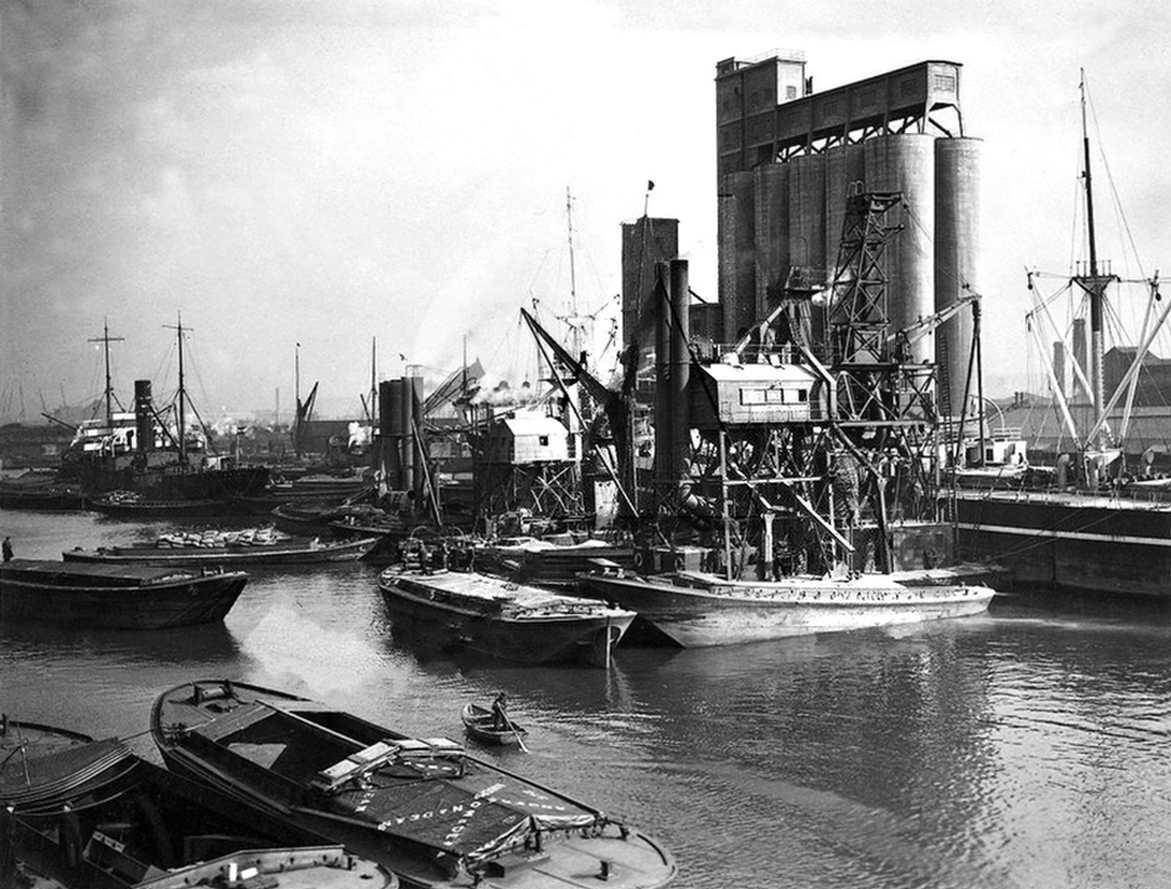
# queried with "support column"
point(766, 544)
point(680, 372)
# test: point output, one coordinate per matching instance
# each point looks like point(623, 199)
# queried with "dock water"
point(954, 754)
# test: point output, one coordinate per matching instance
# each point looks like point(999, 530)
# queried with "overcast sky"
point(328, 171)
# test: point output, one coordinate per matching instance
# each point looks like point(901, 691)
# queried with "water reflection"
point(1024, 748)
point(211, 643)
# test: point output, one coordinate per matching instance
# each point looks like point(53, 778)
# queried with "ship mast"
point(297, 400)
point(105, 339)
point(178, 328)
point(1093, 284)
point(574, 321)
point(373, 384)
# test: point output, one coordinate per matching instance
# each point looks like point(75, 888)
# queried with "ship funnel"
point(143, 417)
point(390, 432)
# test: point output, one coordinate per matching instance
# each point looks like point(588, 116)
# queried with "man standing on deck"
point(7, 549)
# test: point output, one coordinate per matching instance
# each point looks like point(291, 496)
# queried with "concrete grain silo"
point(906, 163)
point(876, 134)
point(772, 234)
point(737, 239)
point(844, 170)
point(958, 257)
point(807, 211)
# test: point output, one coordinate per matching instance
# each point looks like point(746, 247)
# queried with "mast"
point(297, 400)
point(1096, 286)
point(373, 384)
point(575, 331)
point(105, 339)
point(178, 328)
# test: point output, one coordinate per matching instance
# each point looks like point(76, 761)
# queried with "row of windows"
point(774, 396)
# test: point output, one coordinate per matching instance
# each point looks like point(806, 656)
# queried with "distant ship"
point(1085, 530)
point(137, 452)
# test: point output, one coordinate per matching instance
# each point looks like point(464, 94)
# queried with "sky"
point(331, 172)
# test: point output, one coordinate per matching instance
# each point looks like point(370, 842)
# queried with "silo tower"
point(789, 159)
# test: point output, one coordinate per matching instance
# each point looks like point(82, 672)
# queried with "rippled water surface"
point(1029, 747)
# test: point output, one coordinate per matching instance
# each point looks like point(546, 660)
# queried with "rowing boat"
point(480, 723)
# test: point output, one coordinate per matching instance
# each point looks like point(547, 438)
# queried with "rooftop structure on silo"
point(766, 109)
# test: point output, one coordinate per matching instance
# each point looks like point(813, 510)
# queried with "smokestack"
point(411, 417)
point(390, 432)
point(680, 368)
point(143, 417)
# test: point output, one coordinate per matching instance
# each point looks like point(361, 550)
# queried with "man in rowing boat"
point(500, 720)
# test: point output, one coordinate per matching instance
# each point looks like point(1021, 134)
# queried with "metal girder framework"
point(874, 385)
point(552, 490)
point(921, 120)
point(858, 314)
point(741, 475)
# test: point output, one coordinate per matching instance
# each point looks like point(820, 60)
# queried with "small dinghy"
point(480, 724)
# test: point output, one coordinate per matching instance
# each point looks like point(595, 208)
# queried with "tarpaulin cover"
point(469, 815)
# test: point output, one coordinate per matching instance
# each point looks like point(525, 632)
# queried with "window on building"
point(790, 92)
point(543, 441)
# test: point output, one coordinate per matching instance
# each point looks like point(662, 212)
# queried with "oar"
point(516, 731)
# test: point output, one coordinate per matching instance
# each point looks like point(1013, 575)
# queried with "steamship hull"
point(697, 610)
point(1077, 542)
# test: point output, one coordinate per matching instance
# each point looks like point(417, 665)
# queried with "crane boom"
point(924, 325)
